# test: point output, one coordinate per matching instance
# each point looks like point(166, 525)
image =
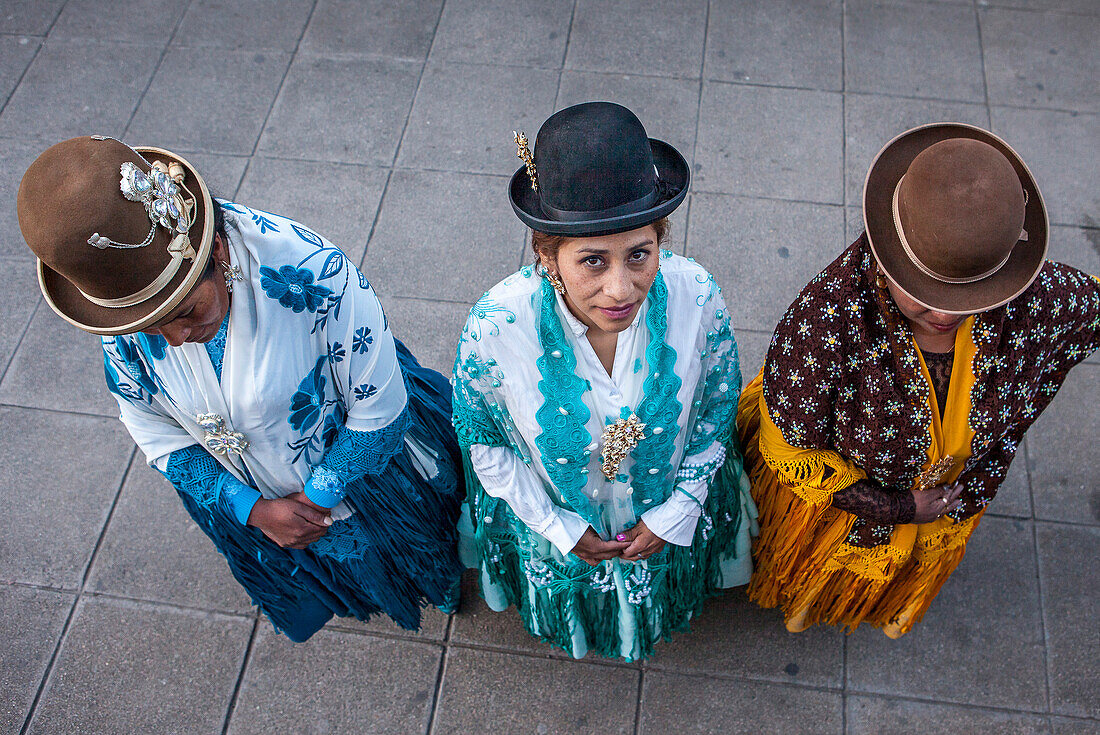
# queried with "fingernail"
point(327, 521)
point(621, 537)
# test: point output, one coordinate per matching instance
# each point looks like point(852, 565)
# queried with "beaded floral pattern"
point(842, 374)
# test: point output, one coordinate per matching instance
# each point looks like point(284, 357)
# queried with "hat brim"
point(74, 307)
point(672, 169)
point(1007, 283)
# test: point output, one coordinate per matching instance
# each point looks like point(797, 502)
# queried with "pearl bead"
point(654, 471)
point(563, 460)
point(658, 430)
point(556, 353)
point(488, 519)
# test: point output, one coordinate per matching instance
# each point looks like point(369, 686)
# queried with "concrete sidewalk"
point(387, 127)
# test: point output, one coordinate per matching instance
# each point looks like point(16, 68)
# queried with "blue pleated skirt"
point(396, 554)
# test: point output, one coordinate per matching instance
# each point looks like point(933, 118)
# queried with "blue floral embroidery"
point(336, 352)
point(362, 340)
point(154, 345)
point(365, 391)
point(130, 357)
point(485, 309)
point(293, 288)
point(307, 406)
point(309, 399)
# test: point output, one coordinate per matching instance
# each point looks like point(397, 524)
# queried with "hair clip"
point(524, 154)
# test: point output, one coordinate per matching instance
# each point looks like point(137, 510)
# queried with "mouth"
point(945, 327)
point(617, 313)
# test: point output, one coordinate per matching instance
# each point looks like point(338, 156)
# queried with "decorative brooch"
point(159, 191)
point(524, 154)
point(618, 440)
point(931, 476)
point(218, 439)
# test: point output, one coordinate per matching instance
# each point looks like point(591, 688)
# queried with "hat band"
point(924, 268)
point(574, 215)
point(180, 248)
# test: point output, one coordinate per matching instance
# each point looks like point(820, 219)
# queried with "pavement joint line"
point(844, 128)
point(711, 192)
point(34, 56)
point(245, 660)
point(1042, 616)
point(962, 703)
point(165, 604)
point(59, 411)
point(1036, 11)
point(641, 673)
point(32, 710)
point(741, 677)
point(153, 75)
point(19, 342)
point(437, 691)
point(552, 655)
point(40, 587)
point(410, 636)
point(569, 34)
point(1027, 475)
point(982, 62)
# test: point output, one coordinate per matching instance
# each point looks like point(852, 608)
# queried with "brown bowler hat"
point(955, 218)
point(122, 234)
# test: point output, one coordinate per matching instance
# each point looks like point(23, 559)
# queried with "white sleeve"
point(674, 520)
point(504, 475)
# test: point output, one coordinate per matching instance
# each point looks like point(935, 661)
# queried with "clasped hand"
point(293, 522)
point(636, 544)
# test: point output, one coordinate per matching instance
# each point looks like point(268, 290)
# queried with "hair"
point(218, 215)
point(545, 244)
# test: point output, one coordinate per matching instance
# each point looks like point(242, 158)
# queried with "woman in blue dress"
point(253, 365)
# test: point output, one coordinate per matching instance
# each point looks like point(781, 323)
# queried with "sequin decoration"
point(618, 440)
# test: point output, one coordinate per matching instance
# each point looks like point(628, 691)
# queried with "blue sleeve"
point(354, 454)
point(193, 471)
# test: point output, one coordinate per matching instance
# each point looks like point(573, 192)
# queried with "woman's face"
point(199, 316)
point(923, 321)
point(606, 278)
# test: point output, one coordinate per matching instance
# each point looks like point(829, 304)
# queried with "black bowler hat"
point(596, 172)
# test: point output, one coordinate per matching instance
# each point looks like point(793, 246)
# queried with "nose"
point(619, 285)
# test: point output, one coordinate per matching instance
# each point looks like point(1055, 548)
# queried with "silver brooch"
point(218, 439)
point(160, 194)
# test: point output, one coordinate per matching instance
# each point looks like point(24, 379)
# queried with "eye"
point(639, 256)
point(593, 261)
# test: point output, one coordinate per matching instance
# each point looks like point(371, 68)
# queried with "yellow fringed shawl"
point(803, 562)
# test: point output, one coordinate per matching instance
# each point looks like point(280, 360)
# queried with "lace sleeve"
point(868, 500)
point(352, 455)
point(193, 471)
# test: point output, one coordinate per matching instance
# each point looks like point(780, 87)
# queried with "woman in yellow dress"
point(900, 382)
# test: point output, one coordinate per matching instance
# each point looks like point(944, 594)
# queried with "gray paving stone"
point(51, 539)
point(735, 637)
point(674, 703)
point(30, 626)
point(408, 254)
point(762, 141)
point(981, 641)
point(244, 24)
point(16, 53)
point(1041, 60)
point(790, 42)
point(789, 242)
point(78, 88)
point(337, 201)
point(152, 550)
point(877, 716)
point(1014, 495)
point(33, 17)
point(16, 155)
point(447, 131)
point(135, 668)
point(668, 108)
point(1055, 146)
point(752, 346)
point(430, 329)
point(1067, 566)
point(521, 32)
point(1068, 6)
point(918, 50)
point(336, 682)
point(184, 109)
point(1065, 475)
point(531, 694)
point(1079, 247)
point(17, 301)
point(316, 118)
point(135, 21)
point(221, 172)
point(1068, 726)
point(433, 625)
point(372, 27)
point(73, 380)
point(663, 38)
point(475, 624)
point(871, 121)
point(853, 223)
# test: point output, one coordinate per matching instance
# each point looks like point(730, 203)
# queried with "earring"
point(554, 280)
point(231, 273)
